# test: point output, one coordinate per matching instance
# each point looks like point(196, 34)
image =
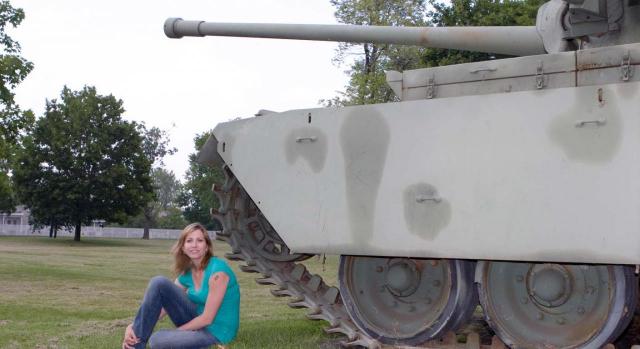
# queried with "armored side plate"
point(551, 172)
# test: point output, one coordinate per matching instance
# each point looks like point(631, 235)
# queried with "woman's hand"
point(130, 338)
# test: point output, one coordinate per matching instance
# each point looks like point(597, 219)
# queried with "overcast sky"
point(184, 86)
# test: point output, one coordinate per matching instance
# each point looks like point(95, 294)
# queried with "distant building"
point(19, 217)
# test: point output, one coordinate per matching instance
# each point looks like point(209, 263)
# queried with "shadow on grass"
point(289, 333)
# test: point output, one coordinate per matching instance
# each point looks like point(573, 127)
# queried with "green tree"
point(83, 162)
point(156, 146)
point(166, 189)
point(367, 82)
point(171, 218)
point(162, 211)
point(476, 13)
point(197, 197)
point(50, 210)
point(14, 123)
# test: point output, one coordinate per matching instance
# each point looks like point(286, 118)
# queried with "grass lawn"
point(57, 293)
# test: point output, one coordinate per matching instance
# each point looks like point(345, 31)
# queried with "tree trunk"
point(145, 233)
point(55, 232)
point(148, 217)
point(51, 230)
point(76, 237)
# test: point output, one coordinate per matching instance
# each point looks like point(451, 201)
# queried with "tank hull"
point(552, 174)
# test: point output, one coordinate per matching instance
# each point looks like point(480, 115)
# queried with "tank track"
point(292, 279)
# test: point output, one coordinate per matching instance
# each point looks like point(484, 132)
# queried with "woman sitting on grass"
point(203, 302)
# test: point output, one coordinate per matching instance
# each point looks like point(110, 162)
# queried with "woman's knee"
point(157, 285)
point(159, 282)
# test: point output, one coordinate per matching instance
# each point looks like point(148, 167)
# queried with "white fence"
point(90, 231)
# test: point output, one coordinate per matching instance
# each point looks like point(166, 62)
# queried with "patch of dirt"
point(89, 328)
point(478, 325)
point(52, 344)
point(4, 322)
point(13, 345)
point(331, 344)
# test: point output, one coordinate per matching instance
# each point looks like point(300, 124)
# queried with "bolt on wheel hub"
point(402, 277)
point(549, 284)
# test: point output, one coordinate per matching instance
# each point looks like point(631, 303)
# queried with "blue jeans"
point(163, 293)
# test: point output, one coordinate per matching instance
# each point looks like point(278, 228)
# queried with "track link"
point(238, 213)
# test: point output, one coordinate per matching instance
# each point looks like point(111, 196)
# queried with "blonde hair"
point(182, 262)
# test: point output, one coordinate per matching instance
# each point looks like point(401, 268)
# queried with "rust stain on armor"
point(588, 66)
point(364, 140)
point(308, 143)
point(425, 212)
point(591, 130)
point(424, 36)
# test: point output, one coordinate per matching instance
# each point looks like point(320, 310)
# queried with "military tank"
point(513, 182)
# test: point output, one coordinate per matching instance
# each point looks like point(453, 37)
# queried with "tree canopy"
point(155, 145)
point(367, 83)
point(197, 198)
point(367, 79)
point(168, 189)
point(14, 123)
point(83, 162)
point(162, 211)
point(476, 13)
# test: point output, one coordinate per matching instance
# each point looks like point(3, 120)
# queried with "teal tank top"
point(225, 324)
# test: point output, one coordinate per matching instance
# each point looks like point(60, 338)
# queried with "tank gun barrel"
point(516, 41)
